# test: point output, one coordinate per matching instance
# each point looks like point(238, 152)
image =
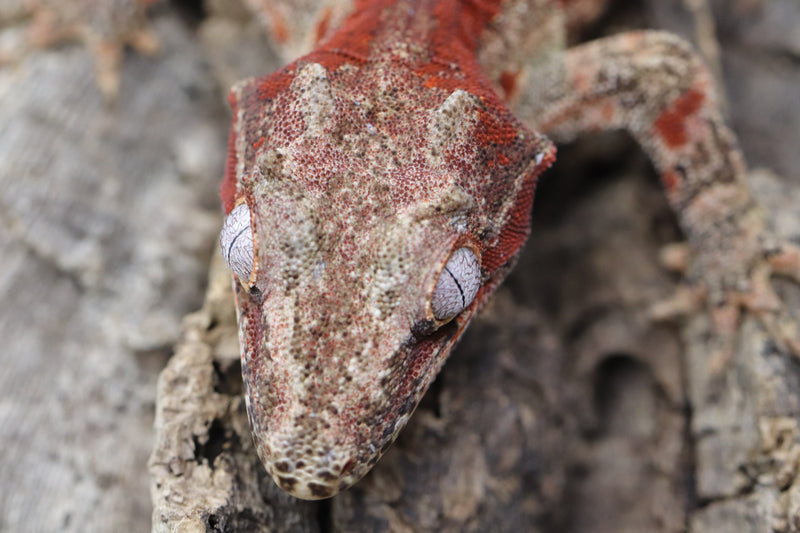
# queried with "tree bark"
point(564, 408)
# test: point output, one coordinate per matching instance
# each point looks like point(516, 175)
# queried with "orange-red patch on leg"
point(671, 180)
point(323, 25)
point(671, 124)
point(508, 81)
point(608, 111)
point(280, 30)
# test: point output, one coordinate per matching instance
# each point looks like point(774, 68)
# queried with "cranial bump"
point(453, 122)
point(315, 96)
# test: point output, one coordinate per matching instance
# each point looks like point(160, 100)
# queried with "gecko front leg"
point(653, 85)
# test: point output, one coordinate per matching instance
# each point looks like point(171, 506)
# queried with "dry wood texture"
point(563, 409)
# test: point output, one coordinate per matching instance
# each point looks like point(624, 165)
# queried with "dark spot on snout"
point(325, 474)
point(282, 466)
point(320, 491)
point(287, 483)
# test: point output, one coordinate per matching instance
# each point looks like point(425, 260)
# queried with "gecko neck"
point(447, 30)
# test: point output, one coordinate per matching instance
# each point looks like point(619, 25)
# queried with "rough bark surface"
point(109, 216)
point(563, 409)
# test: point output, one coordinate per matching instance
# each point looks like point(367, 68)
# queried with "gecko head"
point(364, 230)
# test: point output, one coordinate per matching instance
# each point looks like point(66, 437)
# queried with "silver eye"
point(236, 242)
point(457, 286)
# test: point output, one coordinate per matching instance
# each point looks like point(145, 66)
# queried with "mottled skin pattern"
point(366, 163)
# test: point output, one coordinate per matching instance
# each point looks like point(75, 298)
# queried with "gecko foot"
point(104, 28)
point(728, 306)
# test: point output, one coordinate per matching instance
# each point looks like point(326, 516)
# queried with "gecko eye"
point(236, 242)
point(457, 286)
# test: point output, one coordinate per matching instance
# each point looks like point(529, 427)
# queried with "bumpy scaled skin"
point(366, 164)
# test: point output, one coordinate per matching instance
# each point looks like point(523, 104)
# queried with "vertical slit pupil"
point(460, 290)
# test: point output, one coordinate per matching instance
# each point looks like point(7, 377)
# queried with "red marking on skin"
point(452, 43)
point(471, 18)
point(227, 189)
point(671, 124)
point(356, 33)
point(280, 29)
point(671, 180)
point(418, 359)
point(493, 130)
point(508, 82)
point(332, 60)
point(459, 26)
point(324, 25)
point(515, 232)
point(270, 86)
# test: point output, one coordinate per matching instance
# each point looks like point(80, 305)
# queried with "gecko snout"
point(316, 475)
